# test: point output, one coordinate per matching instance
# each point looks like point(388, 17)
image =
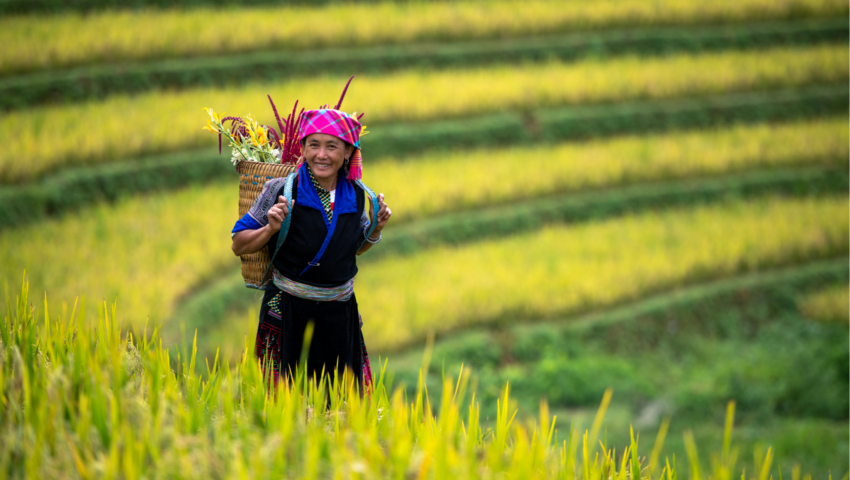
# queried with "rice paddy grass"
point(29, 43)
point(151, 251)
point(96, 402)
point(44, 139)
point(144, 252)
point(432, 184)
point(567, 269)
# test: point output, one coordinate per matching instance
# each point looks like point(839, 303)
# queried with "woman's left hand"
point(384, 214)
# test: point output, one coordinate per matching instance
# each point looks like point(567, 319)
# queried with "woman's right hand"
point(278, 212)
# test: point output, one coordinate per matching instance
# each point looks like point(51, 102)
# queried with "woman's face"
point(325, 154)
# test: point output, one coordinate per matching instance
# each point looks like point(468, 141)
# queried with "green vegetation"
point(29, 43)
point(93, 401)
point(829, 305)
point(124, 126)
point(87, 83)
point(681, 354)
point(644, 197)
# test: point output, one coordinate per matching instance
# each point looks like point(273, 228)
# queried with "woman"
point(314, 270)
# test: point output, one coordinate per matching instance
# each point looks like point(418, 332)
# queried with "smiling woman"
point(318, 237)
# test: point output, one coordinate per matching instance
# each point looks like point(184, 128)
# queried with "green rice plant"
point(563, 270)
point(93, 401)
point(37, 42)
point(828, 305)
point(41, 139)
point(446, 182)
point(145, 252)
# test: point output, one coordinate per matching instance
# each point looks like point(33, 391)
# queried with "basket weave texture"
point(252, 177)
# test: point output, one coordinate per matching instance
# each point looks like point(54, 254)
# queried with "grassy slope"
point(564, 269)
point(682, 353)
point(131, 126)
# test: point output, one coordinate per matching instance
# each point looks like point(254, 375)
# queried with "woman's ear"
point(349, 149)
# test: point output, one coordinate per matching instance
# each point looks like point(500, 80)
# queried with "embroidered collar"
point(308, 194)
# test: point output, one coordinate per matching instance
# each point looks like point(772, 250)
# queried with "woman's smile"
point(326, 154)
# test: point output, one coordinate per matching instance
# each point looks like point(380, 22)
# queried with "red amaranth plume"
point(344, 90)
point(280, 124)
point(291, 148)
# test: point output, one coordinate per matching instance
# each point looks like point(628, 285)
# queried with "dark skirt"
point(337, 341)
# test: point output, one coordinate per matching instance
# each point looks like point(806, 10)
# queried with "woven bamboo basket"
point(252, 177)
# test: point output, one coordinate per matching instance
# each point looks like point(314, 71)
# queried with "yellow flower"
point(209, 127)
point(363, 131)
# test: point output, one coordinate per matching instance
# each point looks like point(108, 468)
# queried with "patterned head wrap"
point(340, 125)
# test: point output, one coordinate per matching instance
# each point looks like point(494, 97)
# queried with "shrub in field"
point(92, 401)
point(130, 126)
point(36, 42)
point(830, 305)
point(566, 269)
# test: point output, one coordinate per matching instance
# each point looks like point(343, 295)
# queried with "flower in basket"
point(252, 142)
point(248, 140)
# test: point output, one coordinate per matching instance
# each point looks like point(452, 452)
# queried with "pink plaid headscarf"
point(340, 125)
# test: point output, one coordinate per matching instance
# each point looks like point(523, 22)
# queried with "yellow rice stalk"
point(36, 42)
point(40, 138)
point(566, 269)
point(94, 401)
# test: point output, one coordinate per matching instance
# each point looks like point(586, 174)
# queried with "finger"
point(275, 215)
point(380, 198)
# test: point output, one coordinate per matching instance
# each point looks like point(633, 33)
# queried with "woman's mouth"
point(323, 165)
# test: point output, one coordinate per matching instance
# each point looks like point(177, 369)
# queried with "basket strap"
point(375, 209)
point(287, 220)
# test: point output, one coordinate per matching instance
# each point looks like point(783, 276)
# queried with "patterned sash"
point(308, 292)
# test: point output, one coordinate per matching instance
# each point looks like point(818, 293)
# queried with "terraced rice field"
point(30, 43)
point(164, 246)
point(524, 202)
point(123, 126)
